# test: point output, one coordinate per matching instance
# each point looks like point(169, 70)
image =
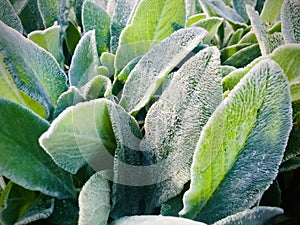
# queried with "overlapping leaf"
point(9, 16)
point(238, 146)
point(290, 18)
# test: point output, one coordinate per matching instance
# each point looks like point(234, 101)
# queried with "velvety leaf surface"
point(256, 216)
point(122, 11)
point(49, 40)
point(96, 18)
point(22, 159)
point(9, 16)
point(81, 134)
point(240, 7)
point(20, 206)
point(94, 201)
point(10, 91)
point(84, 64)
point(290, 19)
point(239, 151)
point(154, 67)
point(174, 123)
point(162, 18)
point(33, 69)
point(107, 59)
point(153, 220)
point(271, 10)
point(98, 87)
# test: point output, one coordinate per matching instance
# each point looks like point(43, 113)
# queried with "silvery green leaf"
point(84, 64)
point(9, 16)
point(107, 59)
point(122, 11)
point(271, 10)
point(33, 69)
point(153, 220)
point(96, 18)
point(98, 87)
point(153, 67)
point(174, 123)
point(290, 19)
point(240, 7)
point(257, 216)
point(143, 32)
point(238, 146)
point(94, 201)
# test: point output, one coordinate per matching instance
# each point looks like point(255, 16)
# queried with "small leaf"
point(96, 18)
point(267, 43)
point(22, 159)
point(84, 65)
point(123, 75)
point(257, 216)
point(244, 56)
point(98, 87)
point(245, 146)
point(236, 37)
point(212, 25)
point(72, 37)
point(240, 7)
point(107, 59)
point(174, 123)
point(271, 10)
point(154, 220)
point(70, 97)
point(195, 18)
point(81, 134)
point(143, 32)
point(49, 40)
point(21, 206)
point(154, 67)
point(9, 16)
point(290, 19)
point(94, 201)
point(33, 69)
point(122, 11)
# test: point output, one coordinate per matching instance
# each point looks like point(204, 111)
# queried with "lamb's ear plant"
point(149, 112)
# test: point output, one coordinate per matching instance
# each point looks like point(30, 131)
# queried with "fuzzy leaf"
point(9, 16)
point(107, 59)
point(174, 123)
point(153, 67)
point(81, 134)
point(238, 146)
point(122, 11)
point(22, 159)
point(33, 69)
point(240, 7)
point(84, 65)
point(143, 32)
point(94, 201)
point(271, 10)
point(20, 206)
point(96, 18)
point(10, 91)
point(256, 216)
point(153, 220)
point(98, 87)
point(290, 19)
point(49, 40)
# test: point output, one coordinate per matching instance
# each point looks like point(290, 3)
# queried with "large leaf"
point(96, 18)
point(33, 69)
point(154, 67)
point(267, 42)
point(81, 134)
point(85, 62)
point(94, 201)
point(10, 91)
point(174, 123)
point(256, 216)
point(20, 206)
point(153, 220)
point(9, 16)
point(153, 21)
point(240, 7)
point(22, 159)
point(239, 149)
point(290, 19)
point(49, 40)
point(123, 9)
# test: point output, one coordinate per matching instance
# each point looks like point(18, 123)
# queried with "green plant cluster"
point(149, 112)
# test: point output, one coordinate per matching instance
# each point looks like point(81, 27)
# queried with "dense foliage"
point(149, 112)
